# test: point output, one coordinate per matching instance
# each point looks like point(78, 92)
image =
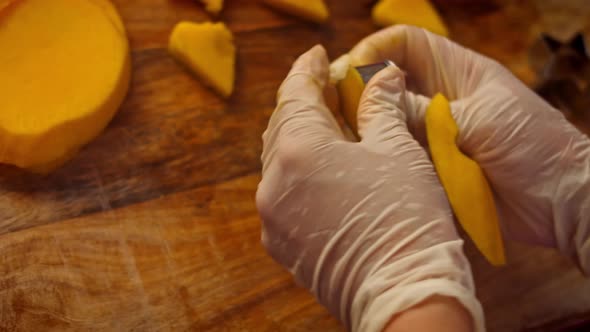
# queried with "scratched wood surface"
point(153, 226)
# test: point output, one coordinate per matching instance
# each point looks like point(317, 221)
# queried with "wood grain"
point(153, 226)
point(188, 261)
point(192, 261)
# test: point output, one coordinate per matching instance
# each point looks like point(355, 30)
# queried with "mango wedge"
point(311, 10)
point(464, 182)
point(412, 12)
point(213, 6)
point(208, 50)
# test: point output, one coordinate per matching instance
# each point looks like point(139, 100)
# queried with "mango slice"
point(65, 70)
point(213, 6)
point(412, 12)
point(464, 182)
point(311, 10)
point(208, 50)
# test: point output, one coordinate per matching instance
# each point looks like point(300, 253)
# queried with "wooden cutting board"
point(153, 226)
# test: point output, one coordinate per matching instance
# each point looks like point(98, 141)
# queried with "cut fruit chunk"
point(466, 186)
point(213, 6)
point(58, 87)
point(311, 10)
point(415, 12)
point(208, 50)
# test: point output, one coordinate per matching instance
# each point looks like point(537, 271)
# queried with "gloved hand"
point(537, 163)
point(364, 225)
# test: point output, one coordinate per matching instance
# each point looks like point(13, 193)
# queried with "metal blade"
point(368, 71)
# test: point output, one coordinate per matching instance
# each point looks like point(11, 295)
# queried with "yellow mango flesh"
point(350, 90)
point(311, 10)
point(464, 182)
point(412, 12)
point(213, 6)
point(65, 70)
point(208, 50)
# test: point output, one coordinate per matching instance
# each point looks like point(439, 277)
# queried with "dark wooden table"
point(153, 226)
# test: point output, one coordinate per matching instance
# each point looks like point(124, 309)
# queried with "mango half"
point(64, 72)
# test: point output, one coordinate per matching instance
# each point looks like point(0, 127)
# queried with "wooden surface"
point(153, 227)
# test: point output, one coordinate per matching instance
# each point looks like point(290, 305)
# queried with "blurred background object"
point(563, 71)
point(560, 57)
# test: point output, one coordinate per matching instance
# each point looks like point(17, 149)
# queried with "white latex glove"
point(365, 226)
point(538, 164)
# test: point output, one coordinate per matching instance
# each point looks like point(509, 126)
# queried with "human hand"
point(537, 163)
point(364, 225)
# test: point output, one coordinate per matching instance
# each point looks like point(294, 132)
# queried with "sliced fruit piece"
point(466, 186)
point(415, 12)
point(311, 10)
point(213, 6)
point(58, 87)
point(208, 50)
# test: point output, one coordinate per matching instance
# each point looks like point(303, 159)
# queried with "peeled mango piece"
point(412, 12)
point(65, 70)
point(208, 50)
point(464, 182)
point(350, 88)
point(311, 10)
point(213, 6)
